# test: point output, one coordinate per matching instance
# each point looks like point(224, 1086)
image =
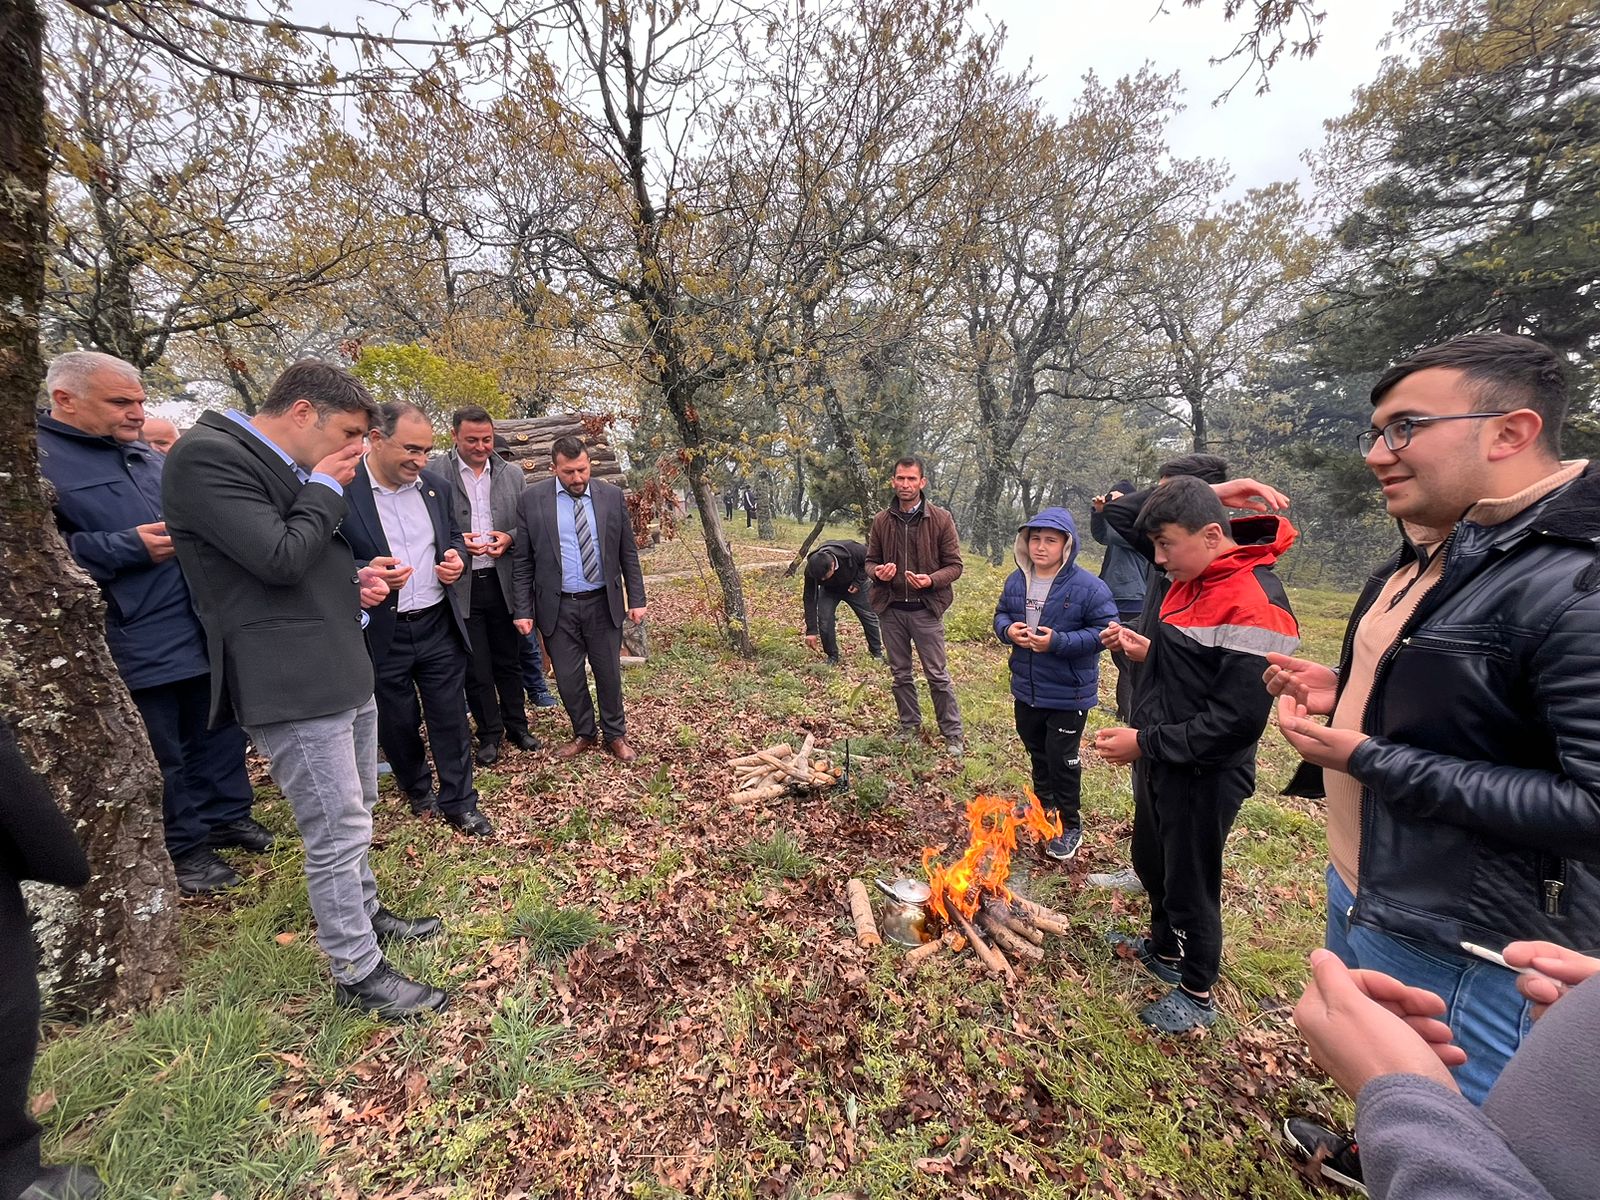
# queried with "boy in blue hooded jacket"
point(1051, 612)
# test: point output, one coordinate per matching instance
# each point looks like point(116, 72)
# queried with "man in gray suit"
point(575, 554)
point(484, 491)
point(253, 506)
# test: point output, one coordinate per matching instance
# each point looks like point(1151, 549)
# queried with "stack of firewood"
point(530, 439)
point(769, 773)
point(1002, 926)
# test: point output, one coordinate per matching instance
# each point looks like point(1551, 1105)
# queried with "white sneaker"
point(1125, 880)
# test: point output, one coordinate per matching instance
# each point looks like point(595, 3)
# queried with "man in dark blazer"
point(254, 505)
point(575, 555)
point(484, 489)
point(402, 522)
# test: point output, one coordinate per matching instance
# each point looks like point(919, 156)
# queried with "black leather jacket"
point(1480, 799)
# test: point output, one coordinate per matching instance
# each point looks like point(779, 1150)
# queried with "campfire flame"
point(986, 865)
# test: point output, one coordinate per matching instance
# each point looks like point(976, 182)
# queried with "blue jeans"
point(327, 768)
point(1486, 1012)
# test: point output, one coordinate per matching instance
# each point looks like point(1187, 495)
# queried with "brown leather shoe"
point(574, 748)
point(619, 749)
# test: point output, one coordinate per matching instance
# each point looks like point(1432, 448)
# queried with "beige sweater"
point(1379, 629)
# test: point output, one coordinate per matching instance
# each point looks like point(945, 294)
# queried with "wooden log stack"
point(769, 773)
point(530, 440)
point(1002, 932)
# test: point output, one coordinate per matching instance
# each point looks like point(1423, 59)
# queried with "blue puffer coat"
point(103, 490)
point(1077, 608)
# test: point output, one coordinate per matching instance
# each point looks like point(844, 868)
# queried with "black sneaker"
point(201, 873)
point(1065, 847)
point(390, 995)
point(1338, 1157)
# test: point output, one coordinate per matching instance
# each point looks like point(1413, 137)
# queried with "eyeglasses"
point(1397, 434)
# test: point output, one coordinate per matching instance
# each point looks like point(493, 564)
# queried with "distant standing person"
point(254, 506)
point(575, 559)
point(836, 572)
point(1051, 613)
point(1127, 573)
point(914, 556)
point(747, 501)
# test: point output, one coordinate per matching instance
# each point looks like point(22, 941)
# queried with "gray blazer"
point(506, 481)
point(272, 578)
point(537, 569)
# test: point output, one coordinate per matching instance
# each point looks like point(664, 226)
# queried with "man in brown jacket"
point(913, 556)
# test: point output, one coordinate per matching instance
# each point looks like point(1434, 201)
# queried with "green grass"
point(722, 1036)
point(554, 932)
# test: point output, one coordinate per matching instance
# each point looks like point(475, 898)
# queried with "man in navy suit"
point(402, 522)
point(575, 556)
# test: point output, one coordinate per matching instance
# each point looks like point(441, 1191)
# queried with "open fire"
point(971, 896)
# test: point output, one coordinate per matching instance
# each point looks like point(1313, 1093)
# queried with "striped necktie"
point(586, 547)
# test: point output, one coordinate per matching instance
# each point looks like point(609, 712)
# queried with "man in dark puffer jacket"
point(1462, 760)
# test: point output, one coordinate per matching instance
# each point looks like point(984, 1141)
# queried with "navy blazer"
point(363, 529)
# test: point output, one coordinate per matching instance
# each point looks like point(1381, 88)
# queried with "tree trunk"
point(797, 498)
point(765, 530)
point(114, 945)
point(805, 547)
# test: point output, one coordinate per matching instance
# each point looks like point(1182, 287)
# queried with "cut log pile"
point(768, 774)
point(530, 439)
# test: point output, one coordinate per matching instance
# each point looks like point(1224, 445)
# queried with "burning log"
point(994, 924)
point(861, 913)
point(1039, 916)
point(1022, 928)
point(993, 960)
point(915, 958)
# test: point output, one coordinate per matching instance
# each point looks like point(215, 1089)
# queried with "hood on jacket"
point(1058, 519)
point(1125, 486)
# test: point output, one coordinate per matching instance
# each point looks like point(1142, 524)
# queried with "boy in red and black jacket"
point(1198, 711)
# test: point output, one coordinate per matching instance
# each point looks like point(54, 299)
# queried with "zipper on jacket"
point(1554, 885)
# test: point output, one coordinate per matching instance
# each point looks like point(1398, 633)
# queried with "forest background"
point(780, 244)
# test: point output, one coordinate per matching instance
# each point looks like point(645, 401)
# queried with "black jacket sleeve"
point(36, 842)
point(1122, 514)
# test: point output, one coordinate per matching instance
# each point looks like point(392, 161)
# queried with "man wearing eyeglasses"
point(1461, 760)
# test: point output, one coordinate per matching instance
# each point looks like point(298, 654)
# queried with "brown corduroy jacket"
point(926, 545)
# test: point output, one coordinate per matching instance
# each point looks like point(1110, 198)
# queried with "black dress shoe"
point(422, 805)
point(246, 833)
point(393, 928)
point(488, 754)
point(200, 872)
point(388, 994)
point(471, 822)
point(523, 740)
point(68, 1181)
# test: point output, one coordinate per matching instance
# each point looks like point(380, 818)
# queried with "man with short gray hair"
point(108, 506)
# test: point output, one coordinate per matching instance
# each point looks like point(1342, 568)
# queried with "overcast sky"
point(1261, 137)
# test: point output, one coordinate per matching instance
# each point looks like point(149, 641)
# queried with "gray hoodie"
point(1537, 1136)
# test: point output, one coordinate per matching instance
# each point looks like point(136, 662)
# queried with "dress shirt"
point(408, 529)
point(478, 488)
point(572, 579)
point(300, 472)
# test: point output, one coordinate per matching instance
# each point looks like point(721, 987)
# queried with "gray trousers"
point(584, 631)
point(327, 768)
point(904, 628)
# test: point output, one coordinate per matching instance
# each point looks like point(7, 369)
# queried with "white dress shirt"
point(409, 531)
point(478, 488)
